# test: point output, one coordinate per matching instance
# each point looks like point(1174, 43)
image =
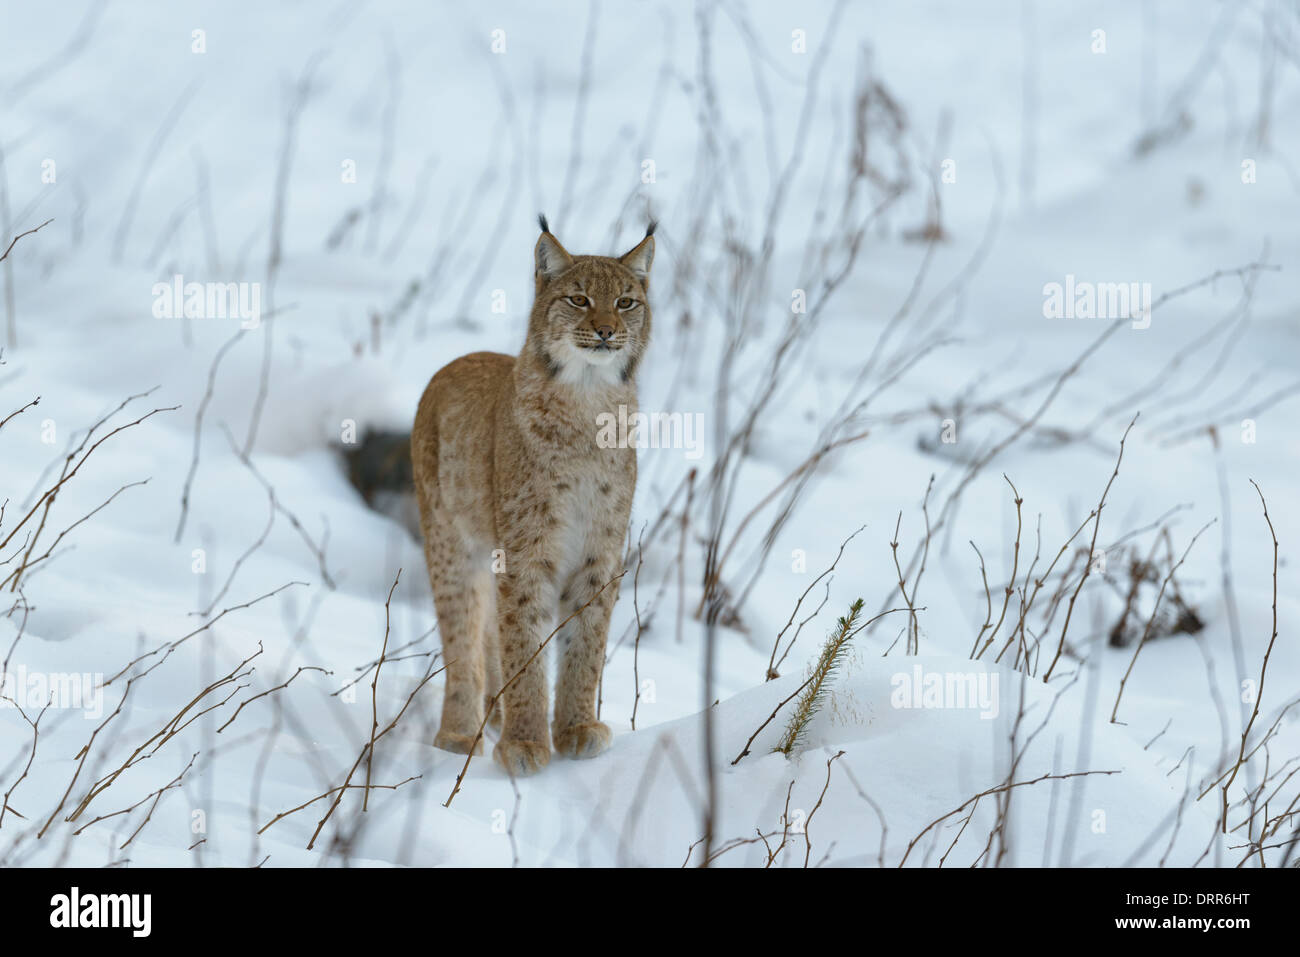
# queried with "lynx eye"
point(580, 301)
point(627, 302)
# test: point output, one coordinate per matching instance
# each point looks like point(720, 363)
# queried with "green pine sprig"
point(828, 663)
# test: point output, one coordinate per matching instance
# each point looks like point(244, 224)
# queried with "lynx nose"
point(605, 332)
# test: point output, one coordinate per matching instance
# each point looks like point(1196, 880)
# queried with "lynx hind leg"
point(461, 615)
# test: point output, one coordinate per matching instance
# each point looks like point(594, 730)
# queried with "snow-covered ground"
point(373, 171)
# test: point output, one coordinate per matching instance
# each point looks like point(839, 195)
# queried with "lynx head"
point(591, 318)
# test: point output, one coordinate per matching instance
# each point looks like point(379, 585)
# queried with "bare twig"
point(14, 241)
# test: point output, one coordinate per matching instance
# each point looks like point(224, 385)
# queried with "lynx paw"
point(457, 743)
point(583, 740)
point(521, 758)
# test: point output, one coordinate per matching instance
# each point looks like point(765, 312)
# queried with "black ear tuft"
point(541, 220)
point(650, 230)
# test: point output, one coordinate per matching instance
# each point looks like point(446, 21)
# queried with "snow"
point(480, 142)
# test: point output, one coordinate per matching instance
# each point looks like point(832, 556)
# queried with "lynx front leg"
point(492, 704)
point(577, 732)
point(524, 597)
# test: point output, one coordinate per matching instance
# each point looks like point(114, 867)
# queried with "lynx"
point(524, 513)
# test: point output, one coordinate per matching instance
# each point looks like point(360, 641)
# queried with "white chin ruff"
point(585, 367)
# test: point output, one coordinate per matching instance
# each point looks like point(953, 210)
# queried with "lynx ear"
point(551, 258)
point(640, 256)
